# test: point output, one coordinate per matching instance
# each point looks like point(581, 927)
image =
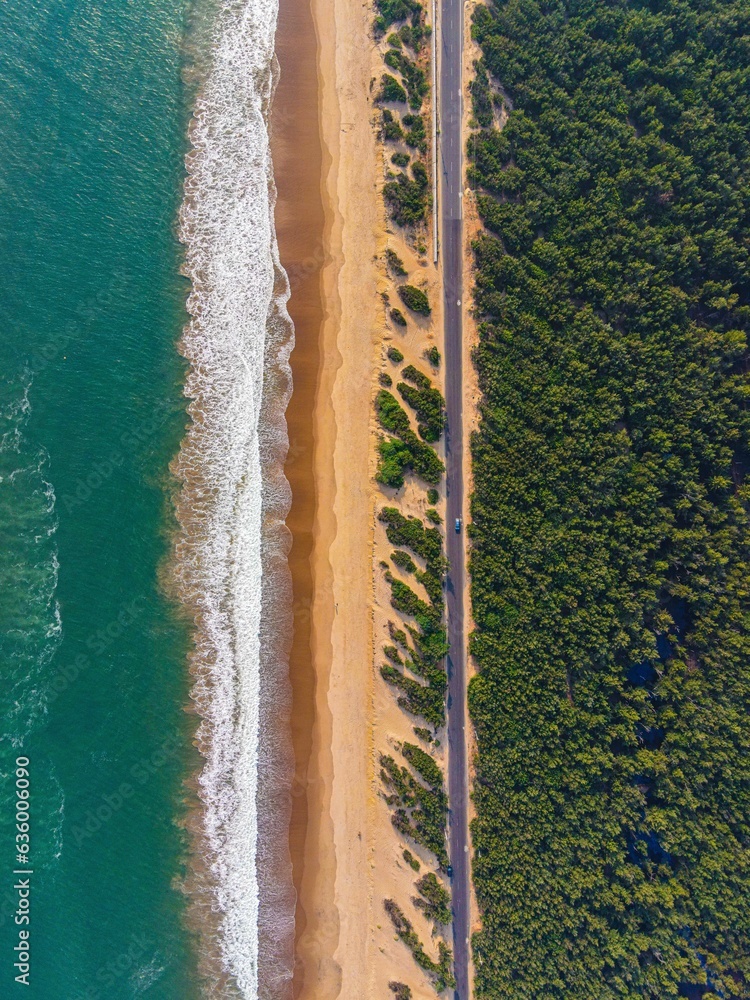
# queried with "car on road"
point(458, 525)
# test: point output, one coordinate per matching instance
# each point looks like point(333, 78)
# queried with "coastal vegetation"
point(411, 861)
point(408, 197)
point(434, 899)
point(403, 560)
point(403, 451)
point(394, 11)
point(440, 970)
point(400, 990)
point(415, 135)
point(427, 543)
point(610, 536)
point(391, 129)
point(415, 299)
point(412, 75)
point(432, 354)
point(423, 764)
point(413, 663)
point(419, 809)
point(391, 90)
point(426, 401)
point(407, 192)
point(423, 686)
point(395, 263)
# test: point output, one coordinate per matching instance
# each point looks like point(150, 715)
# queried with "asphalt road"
point(451, 248)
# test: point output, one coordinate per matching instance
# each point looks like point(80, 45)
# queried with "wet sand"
point(301, 227)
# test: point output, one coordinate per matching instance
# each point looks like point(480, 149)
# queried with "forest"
point(609, 535)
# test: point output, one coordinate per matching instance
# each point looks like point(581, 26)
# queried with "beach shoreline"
point(302, 226)
point(325, 155)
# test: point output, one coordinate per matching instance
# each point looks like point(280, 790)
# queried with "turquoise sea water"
point(93, 118)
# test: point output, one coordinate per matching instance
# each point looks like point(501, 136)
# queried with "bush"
point(432, 515)
point(440, 970)
point(400, 159)
point(398, 635)
point(408, 198)
point(391, 415)
point(413, 35)
point(426, 658)
point(432, 354)
point(423, 764)
point(393, 654)
point(481, 96)
point(403, 560)
point(398, 318)
point(418, 699)
point(406, 453)
point(395, 263)
point(385, 379)
point(395, 40)
point(411, 861)
point(432, 496)
point(416, 377)
point(391, 129)
point(416, 82)
point(432, 583)
point(420, 812)
point(394, 459)
point(415, 299)
point(395, 355)
point(392, 59)
point(391, 11)
point(401, 990)
point(426, 401)
point(416, 136)
point(409, 532)
point(391, 90)
point(436, 900)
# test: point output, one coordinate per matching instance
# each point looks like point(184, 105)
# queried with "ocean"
point(142, 548)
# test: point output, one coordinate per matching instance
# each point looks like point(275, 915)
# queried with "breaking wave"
point(28, 595)
point(231, 553)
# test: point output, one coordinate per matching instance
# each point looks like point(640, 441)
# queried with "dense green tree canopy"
point(610, 514)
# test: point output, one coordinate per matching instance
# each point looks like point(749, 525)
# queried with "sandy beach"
point(302, 224)
point(332, 367)
point(332, 232)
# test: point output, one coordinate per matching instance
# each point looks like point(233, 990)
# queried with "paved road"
point(450, 207)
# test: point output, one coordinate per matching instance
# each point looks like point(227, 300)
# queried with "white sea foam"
point(233, 502)
point(28, 601)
